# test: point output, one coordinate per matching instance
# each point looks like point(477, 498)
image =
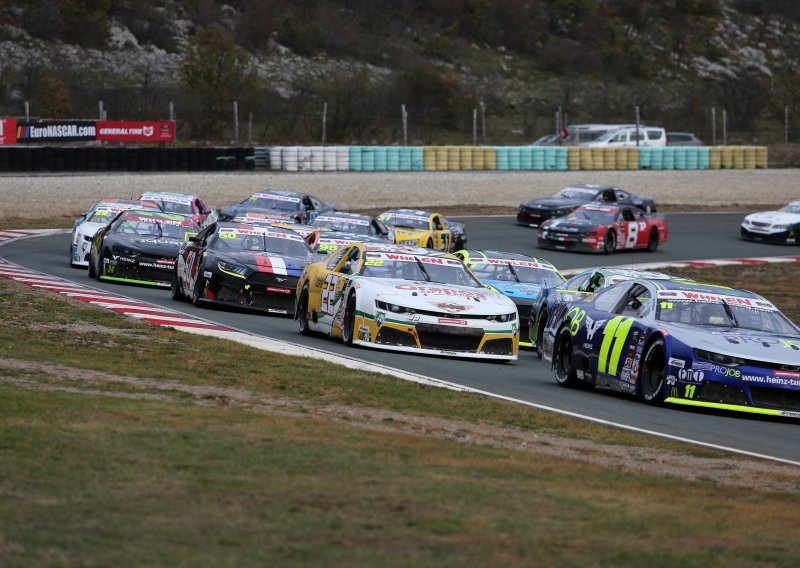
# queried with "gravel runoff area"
point(34, 196)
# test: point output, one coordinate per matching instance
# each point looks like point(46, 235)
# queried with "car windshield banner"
point(8, 131)
point(136, 131)
point(56, 131)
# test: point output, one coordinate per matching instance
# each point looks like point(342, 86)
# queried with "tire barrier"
point(379, 158)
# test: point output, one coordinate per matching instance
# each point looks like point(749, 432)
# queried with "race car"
point(408, 299)
point(247, 266)
point(520, 277)
point(681, 343)
point(183, 204)
point(781, 227)
point(96, 218)
point(282, 205)
point(140, 247)
point(604, 229)
point(578, 286)
point(418, 228)
point(534, 212)
point(353, 224)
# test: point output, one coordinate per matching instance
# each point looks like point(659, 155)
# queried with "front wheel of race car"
point(349, 323)
point(610, 242)
point(653, 373)
point(175, 288)
point(653, 240)
point(563, 359)
point(302, 312)
point(197, 291)
point(92, 272)
point(540, 323)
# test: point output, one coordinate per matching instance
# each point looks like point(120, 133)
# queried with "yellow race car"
point(418, 228)
point(405, 298)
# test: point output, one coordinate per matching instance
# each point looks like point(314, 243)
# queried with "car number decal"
point(329, 293)
point(616, 333)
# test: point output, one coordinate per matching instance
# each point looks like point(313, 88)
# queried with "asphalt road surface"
point(692, 236)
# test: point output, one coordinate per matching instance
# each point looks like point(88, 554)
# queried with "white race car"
point(782, 226)
point(95, 219)
point(406, 299)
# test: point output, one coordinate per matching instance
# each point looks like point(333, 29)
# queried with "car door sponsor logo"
point(592, 326)
point(678, 363)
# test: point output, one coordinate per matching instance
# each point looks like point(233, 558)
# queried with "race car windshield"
point(721, 314)
point(793, 207)
point(420, 269)
point(258, 242)
point(181, 207)
point(576, 194)
point(152, 228)
point(601, 217)
point(343, 225)
point(509, 272)
point(101, 216)
point(282, 204)
point(410, 221)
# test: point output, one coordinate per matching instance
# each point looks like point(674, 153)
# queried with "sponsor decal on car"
point(678, 363)
point(452, 321)
point(691, 375)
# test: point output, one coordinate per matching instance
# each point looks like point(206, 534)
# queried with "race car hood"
point(550, 203)
point(155, 246)
point(774, 218)
point(439, 297)
point(739, 342)
point(87, 229)
point(520, 292)
point(265, 262)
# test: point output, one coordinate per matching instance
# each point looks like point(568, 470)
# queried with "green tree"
point(217, 71)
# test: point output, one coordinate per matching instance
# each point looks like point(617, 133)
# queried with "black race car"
point(536, 211)
point(459, 231)
point(280, 205)
point(249, 266)
point(140, 247)
point(353, 224)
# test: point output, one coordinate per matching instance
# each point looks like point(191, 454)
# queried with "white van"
point(580, 133)
point(648, 136)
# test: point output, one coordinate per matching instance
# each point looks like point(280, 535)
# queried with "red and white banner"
point(8, 131)
point(136, 131)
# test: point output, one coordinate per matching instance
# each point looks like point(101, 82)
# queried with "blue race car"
point(520, 277)
point(682, 343)
point(580, 285)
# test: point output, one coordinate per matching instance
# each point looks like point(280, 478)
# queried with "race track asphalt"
point(692, 236)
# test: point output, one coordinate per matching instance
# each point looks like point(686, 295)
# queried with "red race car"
point(596, 227)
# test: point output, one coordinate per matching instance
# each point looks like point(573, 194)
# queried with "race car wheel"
point(98, 271)
point(652, 242)
point(349, 323)
point(92, 273)
point(429, 244)
point(302, 312)
point(540, 333)
point(654, 372)
point(197, 291)
point(562, 359)
point(610, 242)
point(175, 288)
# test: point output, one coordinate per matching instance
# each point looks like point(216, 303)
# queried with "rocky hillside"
point(282, 60)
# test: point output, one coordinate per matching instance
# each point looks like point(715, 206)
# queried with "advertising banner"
point(136, 131)
point(56, 131)
point(8, 131)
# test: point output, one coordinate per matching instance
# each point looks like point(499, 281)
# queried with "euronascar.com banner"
point(136, 131)
point(56, 131)
point(8, 131)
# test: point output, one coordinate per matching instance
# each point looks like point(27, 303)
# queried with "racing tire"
point(563, 359)
point(349, 323)
point(653, 241)
point(197, 291)
point(175, 288)
point(301, 313)
point(429, 244)
point(609, 242)
point(541, 322)
point(653, 373)
point(98, 271)
point(92, 273)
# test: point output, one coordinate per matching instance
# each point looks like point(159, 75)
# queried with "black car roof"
point(282, 192)
point(704, 288)
point(346, 215)
point(592, 186)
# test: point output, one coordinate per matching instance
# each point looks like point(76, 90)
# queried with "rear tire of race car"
point(652, 242)
point(653, 373)
point(541, 322)
point(197, 291)
point(429, 244)
point(349, 323)
point(610, 242)
point(563, 359)
point(302, 313)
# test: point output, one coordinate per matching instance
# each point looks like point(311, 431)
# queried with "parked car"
point(548, 140)
point(647, 135)
point(683, 139)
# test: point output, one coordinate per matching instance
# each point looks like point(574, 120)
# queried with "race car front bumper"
point(265, 292)
point(788, 237)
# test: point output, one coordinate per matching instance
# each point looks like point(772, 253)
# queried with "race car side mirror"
point(88, 238)
point(194, 239)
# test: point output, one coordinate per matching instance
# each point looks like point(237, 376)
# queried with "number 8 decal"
point(329, 293)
